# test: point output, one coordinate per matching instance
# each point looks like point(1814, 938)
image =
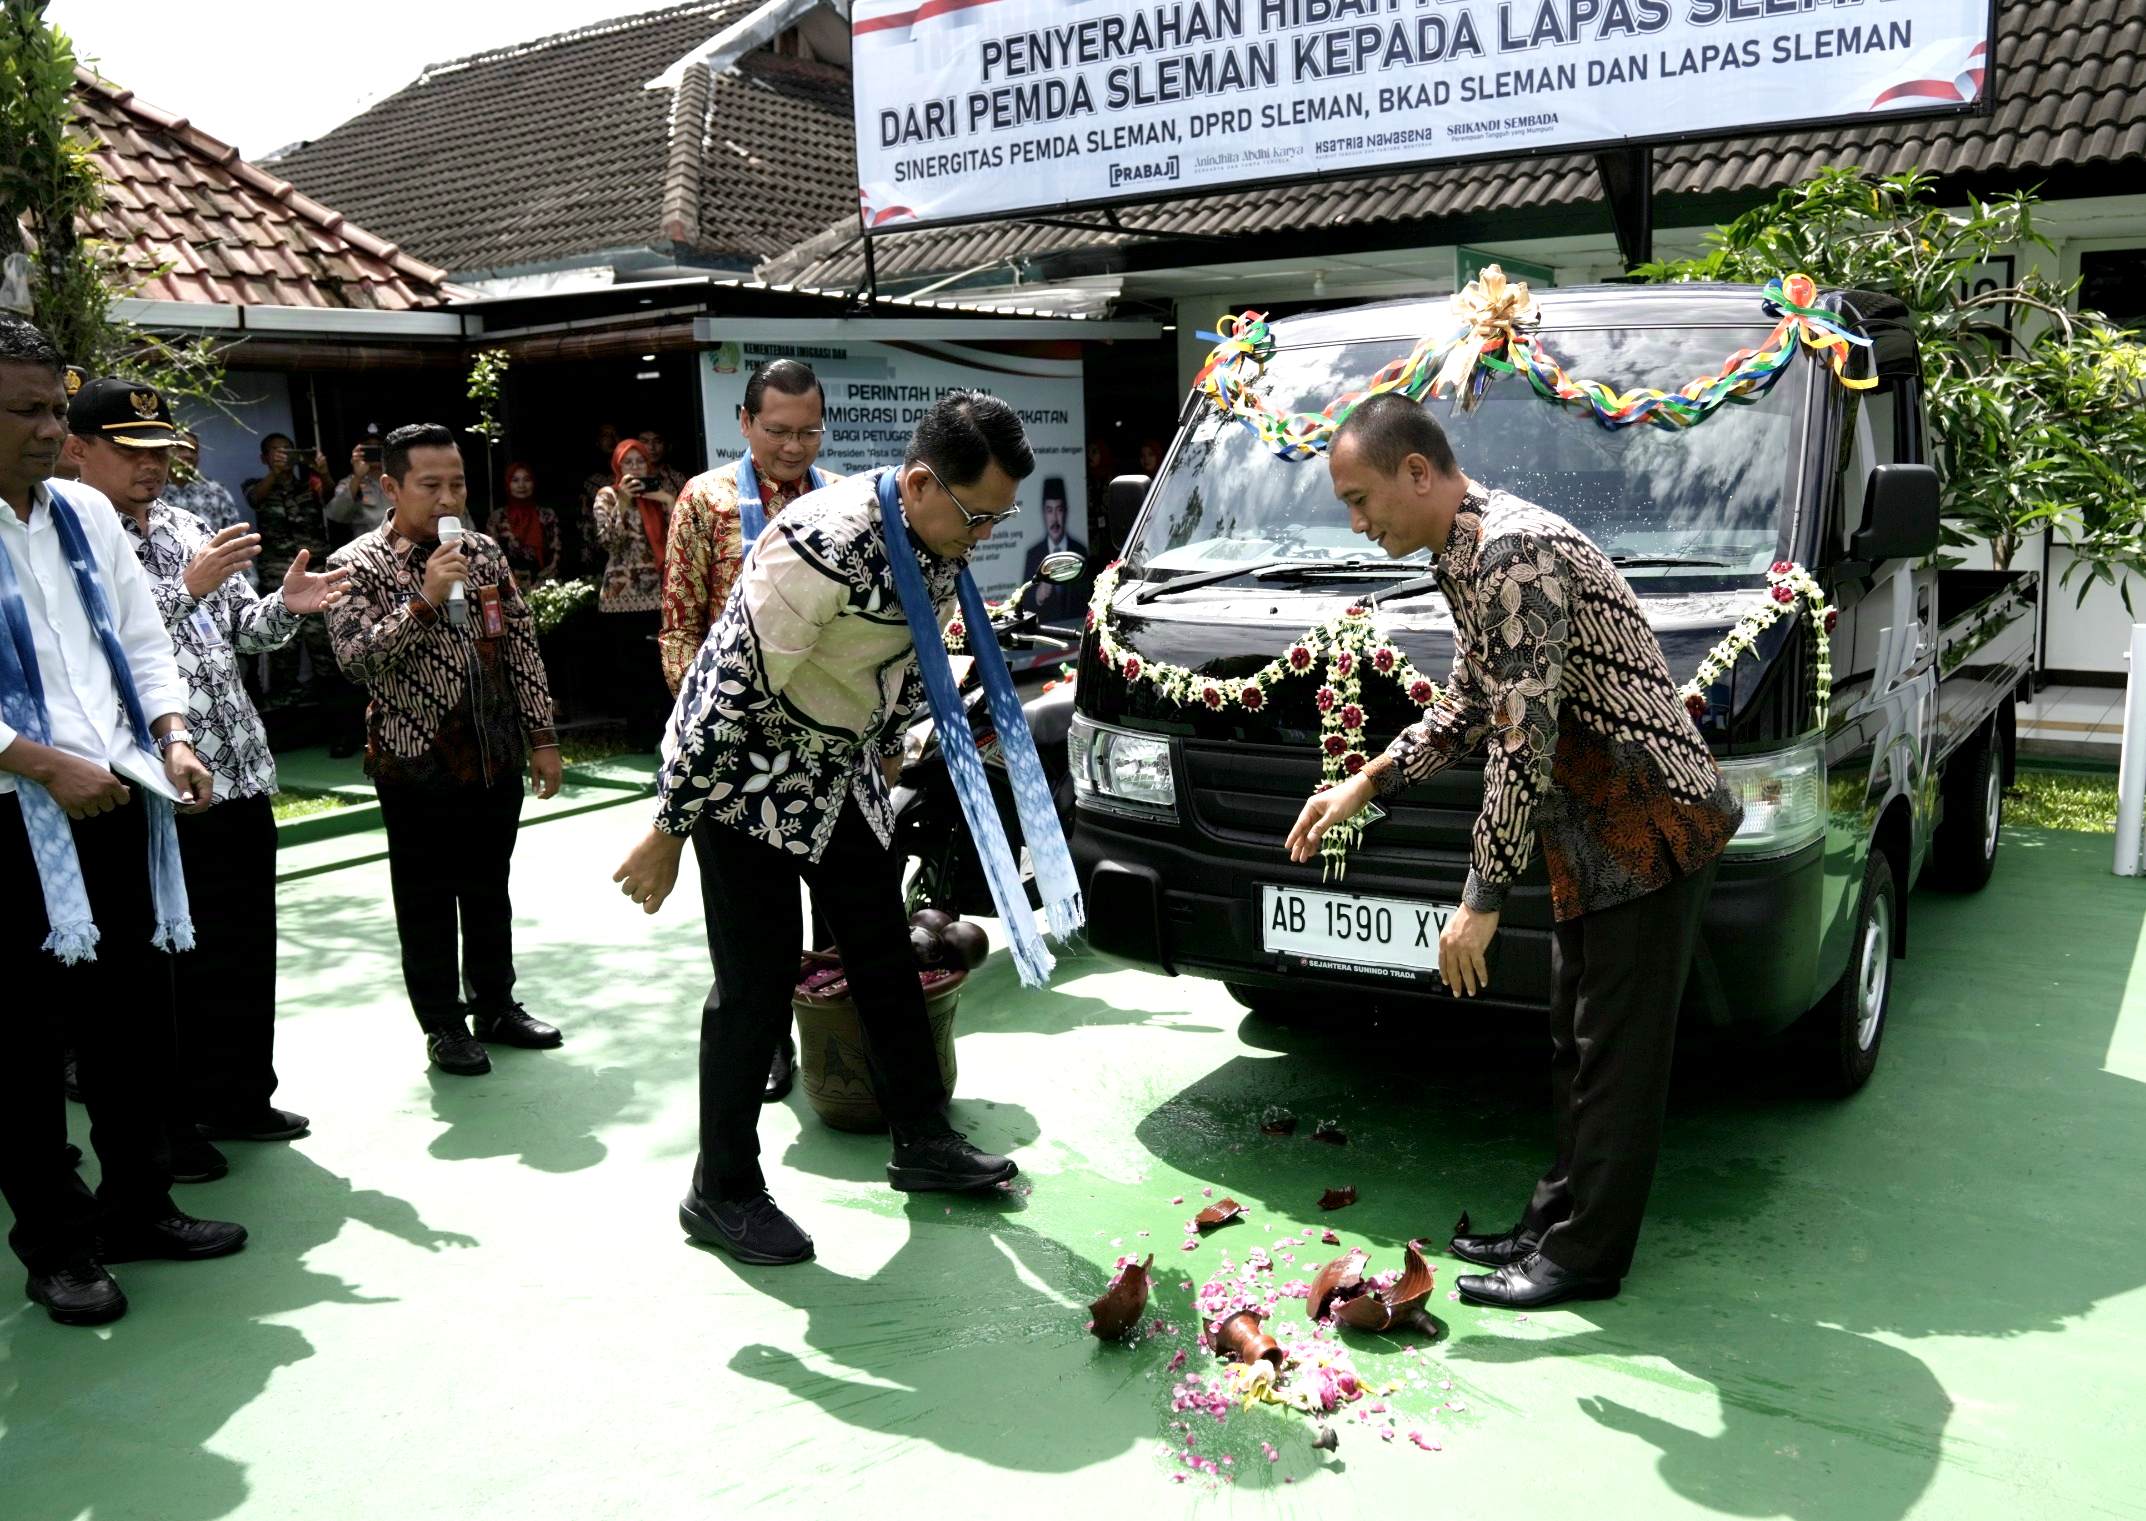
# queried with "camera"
point(370, 453)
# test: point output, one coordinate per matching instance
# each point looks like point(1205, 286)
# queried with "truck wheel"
point(1843, 1032)
point(1963, 852)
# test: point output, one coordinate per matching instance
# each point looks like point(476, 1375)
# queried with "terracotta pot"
point(830, 1041)
point(1244, 1337)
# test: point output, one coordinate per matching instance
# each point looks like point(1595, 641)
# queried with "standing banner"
point(876, 392)
point(973, 108)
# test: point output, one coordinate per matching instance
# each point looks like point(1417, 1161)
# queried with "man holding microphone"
point(435, 630)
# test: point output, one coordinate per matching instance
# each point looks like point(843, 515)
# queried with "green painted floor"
point(470, 1299)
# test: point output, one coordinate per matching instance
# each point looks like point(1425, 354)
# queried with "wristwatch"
point(171, 737)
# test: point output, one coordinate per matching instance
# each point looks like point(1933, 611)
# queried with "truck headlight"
point(1784, 798)
point(1119, 771)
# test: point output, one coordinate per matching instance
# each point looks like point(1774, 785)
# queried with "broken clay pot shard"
point(1330, 1131)
point(1340, 1279)
point(1384, 1309)
point(1221, 1212)
point(1123, 1303)
point(1244, 1337)
point(1277, 1121)
point(1338, 1198)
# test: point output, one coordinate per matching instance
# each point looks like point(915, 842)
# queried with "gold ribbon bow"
point(1493, 310)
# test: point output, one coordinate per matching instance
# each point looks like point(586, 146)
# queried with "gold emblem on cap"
point(144, 404)
point(74, 380)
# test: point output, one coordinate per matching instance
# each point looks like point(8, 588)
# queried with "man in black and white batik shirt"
point(227, 983)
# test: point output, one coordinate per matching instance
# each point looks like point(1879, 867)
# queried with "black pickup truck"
point(1181, 812)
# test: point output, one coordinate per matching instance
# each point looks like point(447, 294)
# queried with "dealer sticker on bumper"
point(1345, 933)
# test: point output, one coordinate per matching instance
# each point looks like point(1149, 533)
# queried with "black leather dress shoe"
point(752, 1229)
point(1531, 1283)
point(194, 1160)
point(454, 1050)
point(175, 1238)
point(77, 1293)
point(1495, 1251)
point(513, 1026)
point(268, 1124)
point(781, 1073)
point(942, 1160)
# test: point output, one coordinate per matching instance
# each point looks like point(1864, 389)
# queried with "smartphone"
point(370, 453)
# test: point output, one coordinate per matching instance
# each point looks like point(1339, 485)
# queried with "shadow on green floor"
point(143, 1401)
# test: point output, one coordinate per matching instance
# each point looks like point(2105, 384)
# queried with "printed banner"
point(876, 392)
point(968, 108)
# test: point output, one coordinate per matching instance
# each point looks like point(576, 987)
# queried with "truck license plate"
point(1340, 932)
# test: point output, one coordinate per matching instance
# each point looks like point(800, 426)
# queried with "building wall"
point(231, 445)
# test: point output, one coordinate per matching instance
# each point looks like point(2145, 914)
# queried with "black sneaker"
point(455, 1050)
point(943, 1160)
point(514, 1026)
point(77, 1293)
point(753, 1229)
point(174, 1238)
point(269, 1124)
point(194, 1160)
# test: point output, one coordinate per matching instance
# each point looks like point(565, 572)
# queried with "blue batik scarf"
point(1047, 852)
point(22, 704)
point(752, 512)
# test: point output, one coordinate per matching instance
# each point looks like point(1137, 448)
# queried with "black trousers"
point(634, 680)
point(1617, 977)
point(753, 929)
point(227, 983)
point(117, 1013)
point(450, 851)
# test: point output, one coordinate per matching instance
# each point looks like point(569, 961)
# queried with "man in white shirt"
point(90, 896)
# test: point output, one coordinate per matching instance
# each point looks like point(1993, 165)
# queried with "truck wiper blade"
point(1273, 569)
point(1406, 589)
point(1655, 562)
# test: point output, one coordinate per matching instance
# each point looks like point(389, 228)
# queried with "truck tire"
point(1843, 1033)
point(1963, 852)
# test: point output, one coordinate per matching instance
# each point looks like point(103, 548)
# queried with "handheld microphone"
point(457, 599)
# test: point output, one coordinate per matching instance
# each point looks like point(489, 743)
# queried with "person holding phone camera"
point(360, 502)
point(633, 522)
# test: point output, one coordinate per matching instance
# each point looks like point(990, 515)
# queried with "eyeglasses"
point(786, 435)
point(971, 519)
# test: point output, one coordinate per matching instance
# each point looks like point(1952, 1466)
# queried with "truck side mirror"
point(1899, 515)
point(1125, 497)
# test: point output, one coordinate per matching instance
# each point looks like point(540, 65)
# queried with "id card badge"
point(205, 627)
point(491, 615)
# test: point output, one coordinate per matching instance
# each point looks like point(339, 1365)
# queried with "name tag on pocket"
point(205, 627)
point(492, 617)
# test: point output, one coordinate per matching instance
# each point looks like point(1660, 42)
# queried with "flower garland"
point(1787, 584)
point(956, 633)
point(1491, 334)
point(1343, 648)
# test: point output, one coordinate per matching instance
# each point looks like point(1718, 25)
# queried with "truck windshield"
point(1691, 505)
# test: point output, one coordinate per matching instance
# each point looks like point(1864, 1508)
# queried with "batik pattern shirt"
point(701, 564)
point(213, 503)
point(1558, 677)
point(633, 576)
point(449, 705)
point(805, 685)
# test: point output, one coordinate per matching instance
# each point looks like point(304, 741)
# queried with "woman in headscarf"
point(528, 533)
point(633, 516)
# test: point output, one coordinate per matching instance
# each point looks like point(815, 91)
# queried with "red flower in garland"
point(957, 630)
point(1251, 696)
point(1783, 595)
point(1344, 663)
point(1131, 668)
point(1421, 692)
point(1783, 568)
point(1384, 659)
point(1211, 695)
point(1326, 699)
point(1335, 744)
point(1832, 619)
point(1356, 609)
point(1300, 657)
point(1695, 705)
point(1091, 618)
point(1353, 762)
point(1352, 717)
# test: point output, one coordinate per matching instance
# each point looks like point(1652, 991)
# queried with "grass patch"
point(305, 802)
point(2063, 800)
point(598, 742)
